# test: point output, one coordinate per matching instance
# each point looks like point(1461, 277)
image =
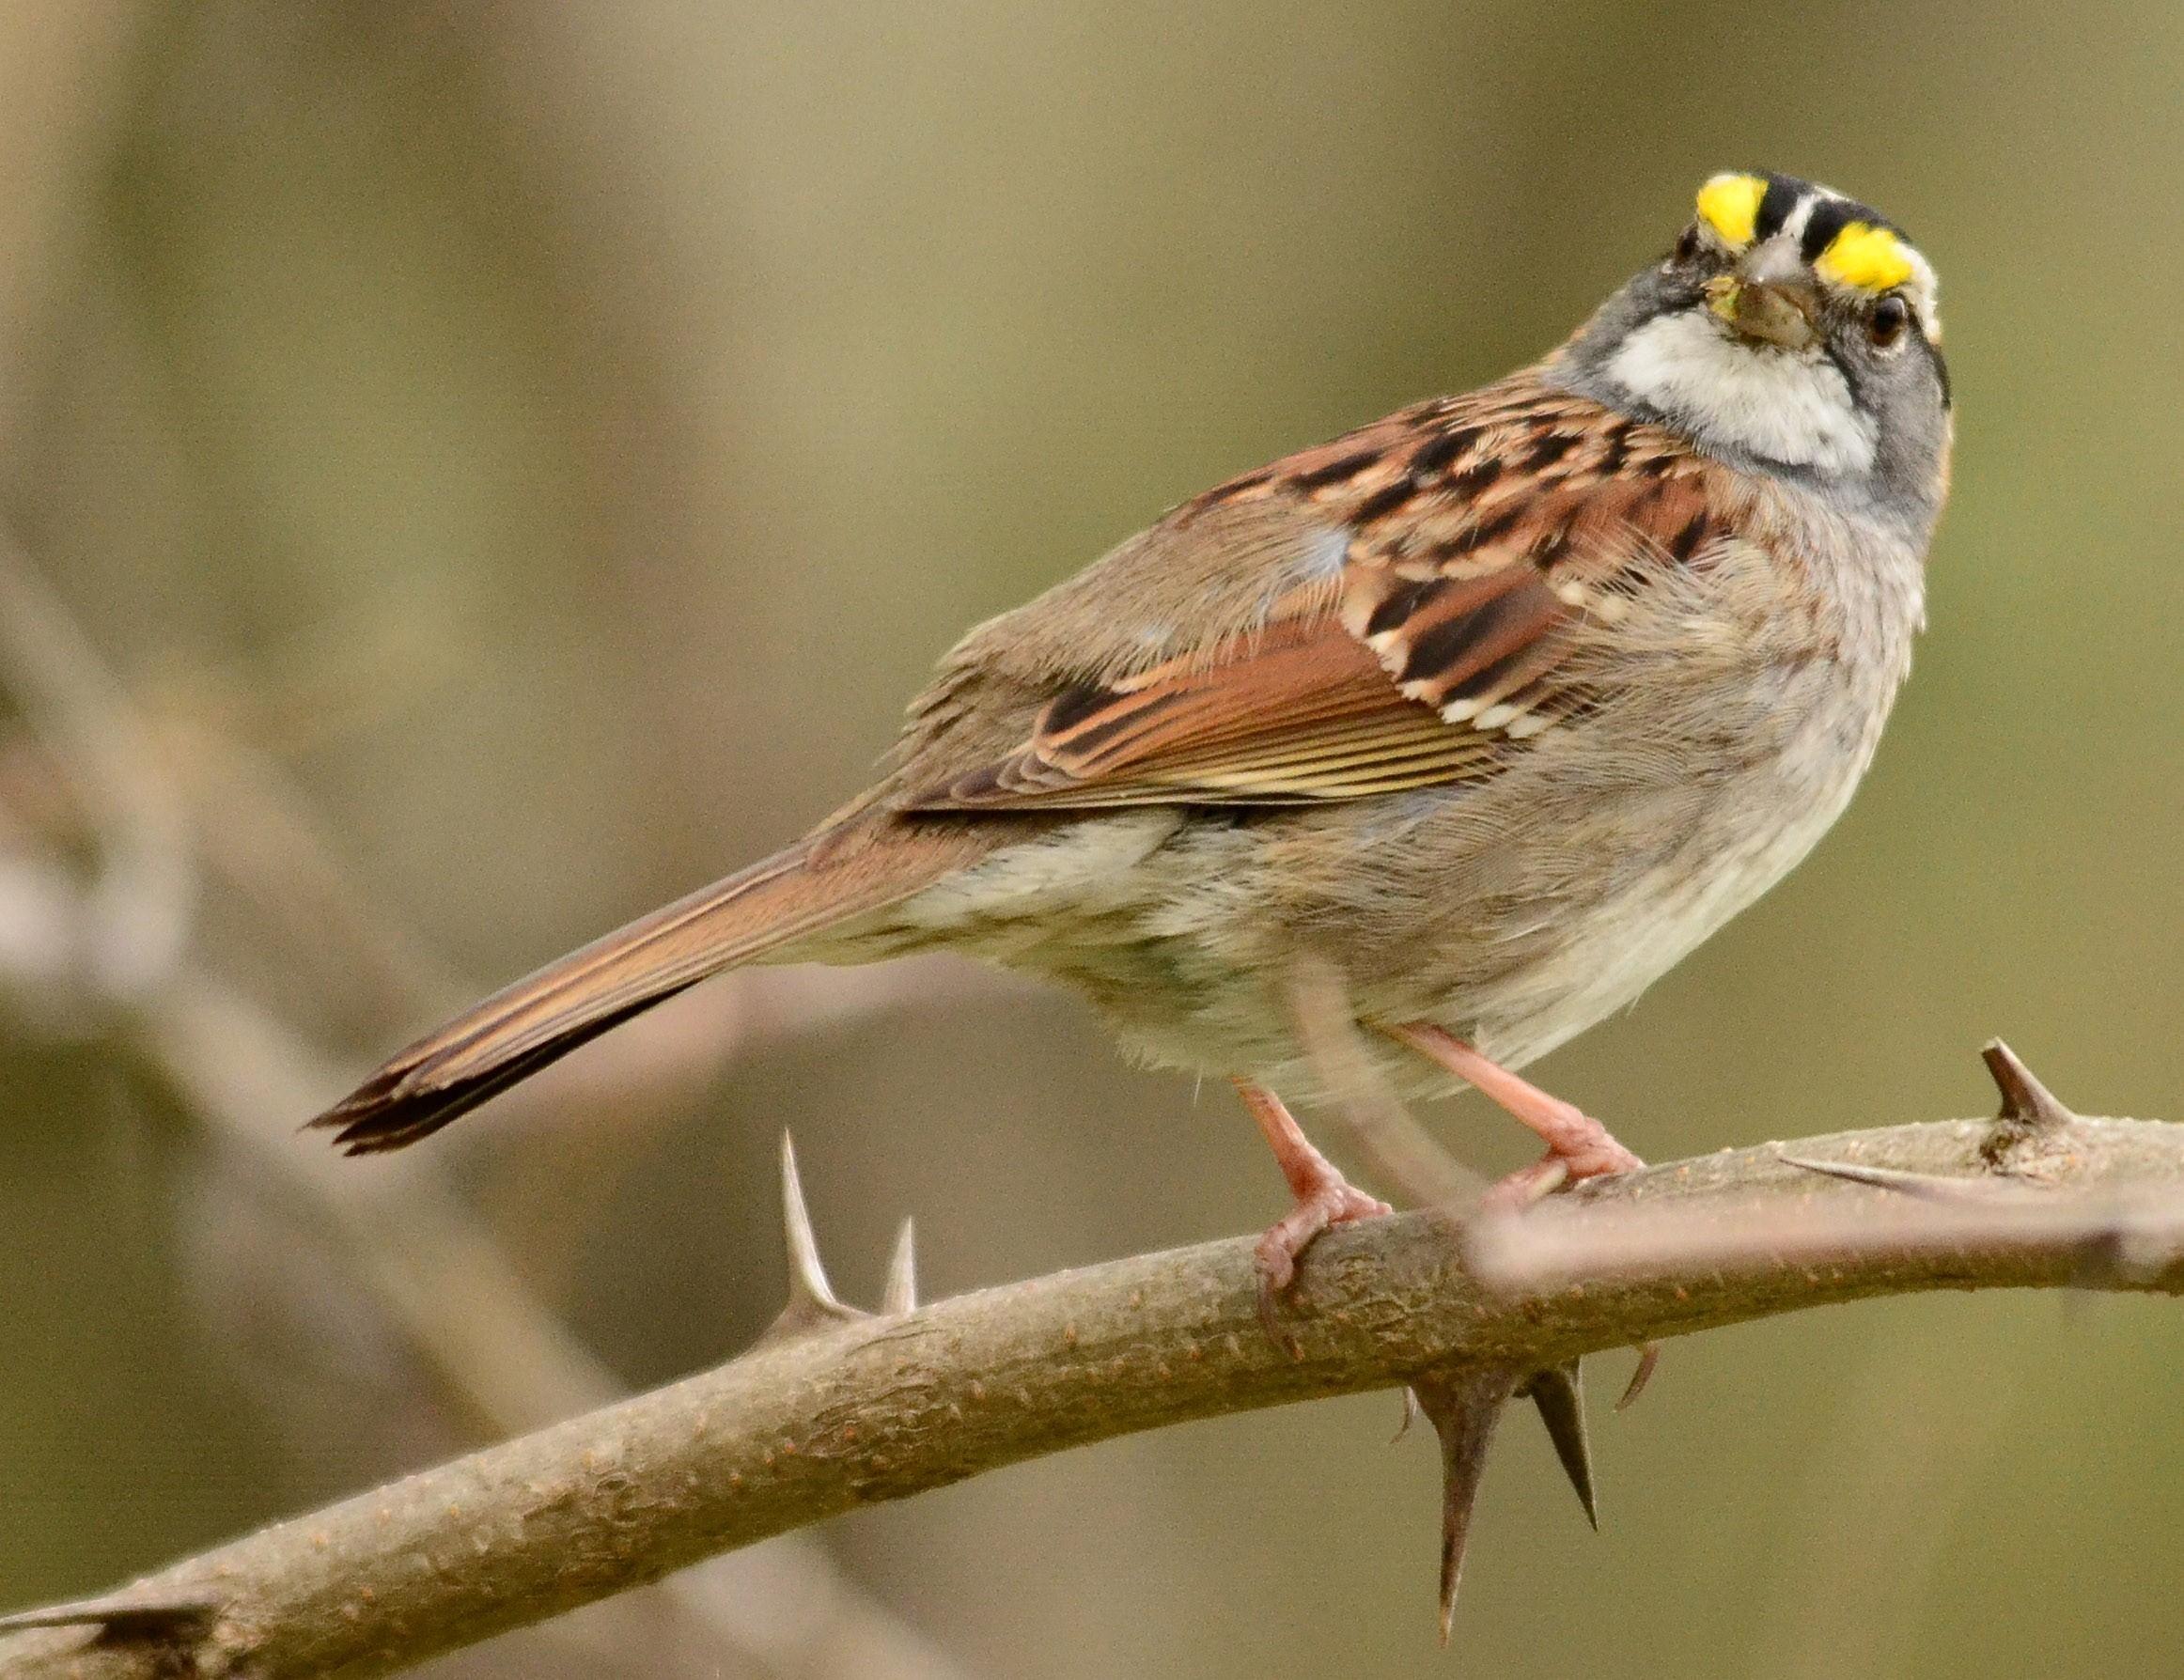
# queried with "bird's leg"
point(1578, 1146)
point(1324, 1196)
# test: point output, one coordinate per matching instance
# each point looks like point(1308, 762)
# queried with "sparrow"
point(1495, 707)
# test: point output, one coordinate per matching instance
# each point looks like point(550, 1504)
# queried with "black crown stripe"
point(1775, 205)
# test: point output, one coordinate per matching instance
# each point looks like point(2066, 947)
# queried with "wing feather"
point(1474, 538)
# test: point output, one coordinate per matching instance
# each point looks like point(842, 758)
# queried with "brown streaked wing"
point(1478, 531)
point(1475, 628)
point(1301, 712)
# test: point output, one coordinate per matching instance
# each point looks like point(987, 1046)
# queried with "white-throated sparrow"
point(1499, 706)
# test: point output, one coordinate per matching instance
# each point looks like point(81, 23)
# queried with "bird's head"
point(1788, 328)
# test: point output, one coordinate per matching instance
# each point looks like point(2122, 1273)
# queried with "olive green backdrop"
point(552, 438)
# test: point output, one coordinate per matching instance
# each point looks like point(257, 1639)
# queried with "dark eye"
point(1687, 247)
point(1888, 321)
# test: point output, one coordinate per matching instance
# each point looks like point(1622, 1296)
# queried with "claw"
point(1322, 1197)
point(1527, 1187)
point(1463, 1407)
point(1559, 1392)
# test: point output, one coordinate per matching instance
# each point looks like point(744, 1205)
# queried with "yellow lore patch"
point(1866, 258)
point(1730, 204)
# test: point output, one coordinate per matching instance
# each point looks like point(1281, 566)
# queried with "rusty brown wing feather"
point(1463, 542)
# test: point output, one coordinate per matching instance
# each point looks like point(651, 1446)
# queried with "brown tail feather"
point(541, 1018)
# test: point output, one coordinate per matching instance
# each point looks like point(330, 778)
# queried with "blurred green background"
point(513, 461)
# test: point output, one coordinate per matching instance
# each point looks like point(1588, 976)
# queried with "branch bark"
point(832, 1414)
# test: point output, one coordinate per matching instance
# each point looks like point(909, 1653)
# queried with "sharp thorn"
point(1409, 1414)
point(1931, 1187)
point(1559, 1393)
point(807, 1274)
point(1463, 1409)
point(2026, 1104)
point(901, 1294)
point(117, 1615)
point(1648, 1357)
point(811, 1298)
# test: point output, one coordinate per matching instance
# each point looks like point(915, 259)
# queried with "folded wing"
point(1468, 540)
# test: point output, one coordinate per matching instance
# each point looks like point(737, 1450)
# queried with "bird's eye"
point(1687, 246)
point(1888, 321)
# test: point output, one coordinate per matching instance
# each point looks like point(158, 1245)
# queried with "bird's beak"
point(1775, 311)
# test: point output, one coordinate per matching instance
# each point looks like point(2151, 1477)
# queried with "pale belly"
point(1513, 915)
point(1175, 931)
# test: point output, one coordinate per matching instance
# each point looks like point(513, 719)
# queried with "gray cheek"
point(1913, 438)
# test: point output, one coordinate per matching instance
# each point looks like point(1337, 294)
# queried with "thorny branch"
point(835, 1409)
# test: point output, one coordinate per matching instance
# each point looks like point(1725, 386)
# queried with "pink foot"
point(1323, 1197)
point(1578, 1146)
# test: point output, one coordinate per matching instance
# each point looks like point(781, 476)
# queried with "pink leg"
point(1323, 1196)
point(1578, 1146)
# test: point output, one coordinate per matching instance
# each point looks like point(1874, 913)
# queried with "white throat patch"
point(1769, 403)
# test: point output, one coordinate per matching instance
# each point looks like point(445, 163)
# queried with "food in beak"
point(1765, 311)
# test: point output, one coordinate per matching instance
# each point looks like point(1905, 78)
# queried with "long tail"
point(813, 884)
